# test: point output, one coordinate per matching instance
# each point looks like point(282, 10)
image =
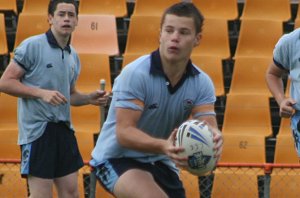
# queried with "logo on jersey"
point(153, 106)
point(49, 65)
point(188, 104)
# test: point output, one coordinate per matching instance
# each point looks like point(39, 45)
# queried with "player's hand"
point(286, 108)
point(53, 97)
point(218, 140)
point(99, 98)
point(174, 152)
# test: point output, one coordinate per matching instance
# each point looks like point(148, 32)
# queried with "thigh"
point(67, 186)
point(137, 183)
point(168, 180)
point(39, 187)
point(127, 177)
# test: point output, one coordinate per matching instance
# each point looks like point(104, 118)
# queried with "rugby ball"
point(197, 140)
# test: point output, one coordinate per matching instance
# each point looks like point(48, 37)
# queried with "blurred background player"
point(135, 154)
point(286, 61)
point(42, 74)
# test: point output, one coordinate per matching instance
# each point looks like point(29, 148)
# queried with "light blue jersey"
point(165, 107)
point(46, 66)
point(286, 55)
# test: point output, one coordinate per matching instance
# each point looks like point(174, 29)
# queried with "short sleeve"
point(207, 95)
point(25, 54)
point(129, 85)
point(280, 57)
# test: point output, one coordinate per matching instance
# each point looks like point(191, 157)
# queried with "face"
point(64, 20)
point(178, 38)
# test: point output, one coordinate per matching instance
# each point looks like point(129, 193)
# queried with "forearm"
point(16, 88)
point(211, 120)
point(79, 99)
point(275, 85)
point(135, 139)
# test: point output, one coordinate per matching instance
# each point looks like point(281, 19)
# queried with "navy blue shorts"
point(109, 172)
point(54, 154)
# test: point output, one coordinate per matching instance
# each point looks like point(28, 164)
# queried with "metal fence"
point(227, 181)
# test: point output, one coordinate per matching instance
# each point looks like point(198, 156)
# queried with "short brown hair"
point(185, 9)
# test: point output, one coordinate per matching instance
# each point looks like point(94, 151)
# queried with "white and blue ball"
point(197, 140)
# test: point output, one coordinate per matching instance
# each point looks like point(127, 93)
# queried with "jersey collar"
point(53, 42)
point(156, 68)
point(156, 65)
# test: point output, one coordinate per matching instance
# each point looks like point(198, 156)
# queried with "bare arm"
point(274, 81)
point(10, 83)
point(131, 137)
point(97, 97)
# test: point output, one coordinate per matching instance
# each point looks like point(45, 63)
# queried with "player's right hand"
point(53, 97)
point(286, 108)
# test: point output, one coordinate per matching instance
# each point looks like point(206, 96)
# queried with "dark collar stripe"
point(53, 42)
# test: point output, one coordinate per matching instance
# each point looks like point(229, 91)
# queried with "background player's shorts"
point(54, 154)
point(109, 172)
point(295, 124)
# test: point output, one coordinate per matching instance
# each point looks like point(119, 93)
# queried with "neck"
point(174, 70)
point(61, 40)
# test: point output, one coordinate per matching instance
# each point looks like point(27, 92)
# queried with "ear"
point(50, 19)
point(197, 39)
point(159, 36)
point(76, 22)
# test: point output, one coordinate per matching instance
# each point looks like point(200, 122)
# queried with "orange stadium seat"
point(8, 109)
point(214, 68)
point(285, 181)
point(30, 25)
point(86, 118)
point(9, 149)
point(11, 183)
point(143, 35)
point(3, 38)
point(151, 8)
point(285, 149)
point(128, 58)
point(248, 76)
point(243, 148)
point(10, 5)
point(85, 143)
point(215, 33)
point(285, 184)
point(297, 19)
point(221, 9)
point(96, 34)
point(190, 184)
point(257, 38)
point(236, 184)
point(285, 127)
point(297, 22)
point(247, 114)
point(118, 8)
point(39, 7)
point(239, 182)
point(93, 68)
point(279, 10)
